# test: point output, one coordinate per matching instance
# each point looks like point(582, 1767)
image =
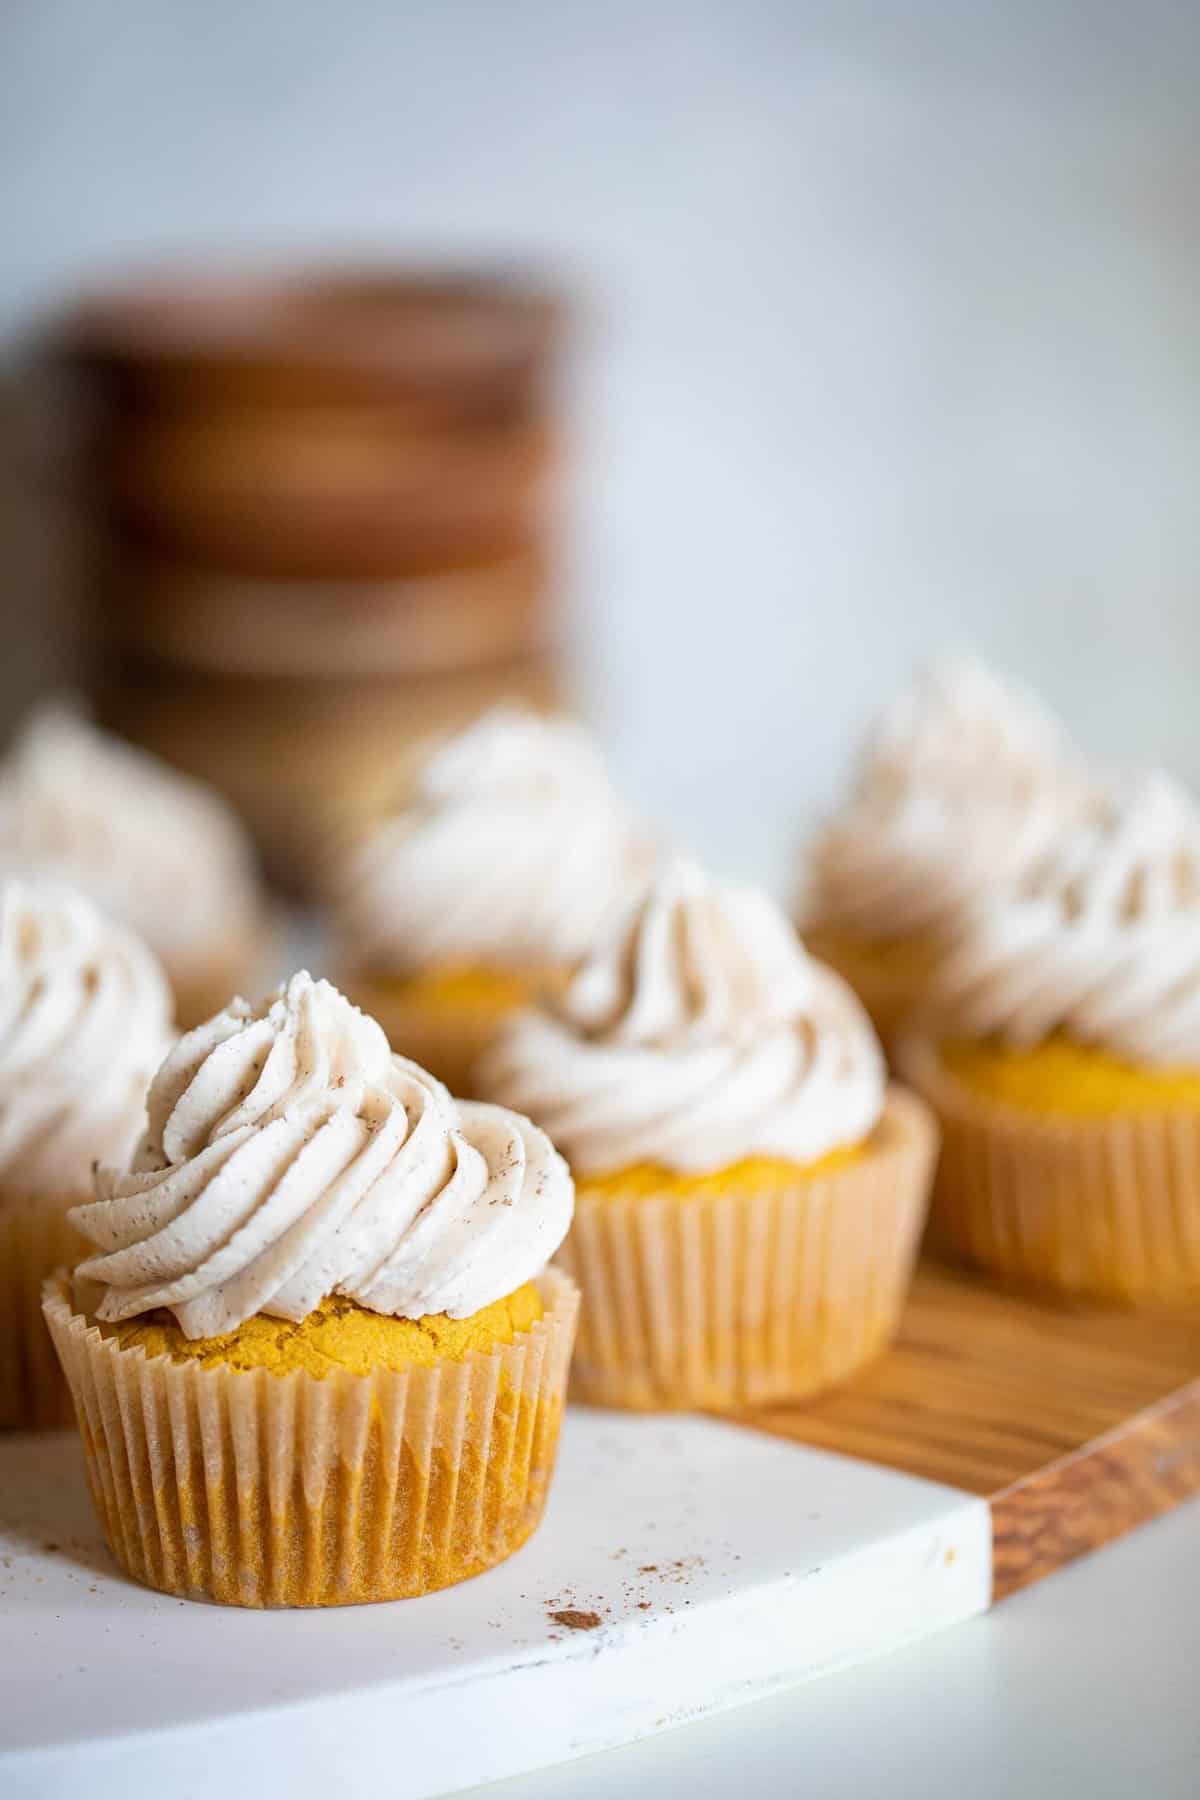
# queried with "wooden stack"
point(321, 508)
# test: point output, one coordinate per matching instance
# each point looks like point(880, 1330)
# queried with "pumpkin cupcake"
point(317, 1356)
point(84, 1021)
point(159, 851)
point(495, 876)
point(1062, 1053)
point(965, 781)
point(749, 1190)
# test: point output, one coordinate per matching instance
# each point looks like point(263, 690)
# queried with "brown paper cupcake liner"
point(242, 965)
point(744, 1298)
point(448, 1040)
point(35, 1239)
point(890, 987)
point(1102, 1208)
point(256, 1489)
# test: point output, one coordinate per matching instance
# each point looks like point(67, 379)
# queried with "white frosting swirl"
point(701, 1033)
point(965, 781)
point(159, 851)
point(512, 850)
point(289, 1155)
point(1100, 939)
point(85, 1017)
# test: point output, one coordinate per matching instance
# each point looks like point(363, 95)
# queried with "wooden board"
point(1076, 1425)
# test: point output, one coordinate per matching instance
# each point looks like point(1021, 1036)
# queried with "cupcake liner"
point(256, 1489)
point(35, 1238)
point(1103, 1208)
point(447, 1039)
point(889, 985)
point(743, 1298)
point(235, 965)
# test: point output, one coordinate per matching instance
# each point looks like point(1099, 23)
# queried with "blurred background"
point(878, 332)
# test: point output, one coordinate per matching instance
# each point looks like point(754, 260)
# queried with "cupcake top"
point(699, 1033)
point(1098, 940)
point(289, 1155)
point(85, 1018)
point(159, 851)
point(965, 781)
point(513, 850)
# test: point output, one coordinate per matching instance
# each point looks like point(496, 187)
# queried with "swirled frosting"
point(965, 781)
point(1099, 939)
point(84, 1021)
point(157, 850)
point(512, 850)
point(289, 1155)
point(700, 1033)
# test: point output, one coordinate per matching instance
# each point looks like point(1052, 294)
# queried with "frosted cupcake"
point(159, 851)
point(965, 782)
point(494, 878)
point(84, 1021)
point(749, 1191)
point(1062, 1053)
point(317, 1356)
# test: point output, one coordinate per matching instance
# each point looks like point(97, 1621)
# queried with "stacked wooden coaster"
point(322, 507)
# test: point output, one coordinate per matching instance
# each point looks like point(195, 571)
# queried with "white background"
point(892, 333)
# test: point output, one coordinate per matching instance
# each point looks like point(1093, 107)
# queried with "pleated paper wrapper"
point(232, 966)
point(739, 1299)
point(257, 1489)
point(1103, 1208)
point(35, 1239)
point(890, 981)
point(448, 1039)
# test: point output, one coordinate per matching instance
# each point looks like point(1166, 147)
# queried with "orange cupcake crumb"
point(753, 1175)
point(339, 1334)
point(1061, 1076)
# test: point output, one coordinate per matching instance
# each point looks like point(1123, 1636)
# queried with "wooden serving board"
point(1075, 1425)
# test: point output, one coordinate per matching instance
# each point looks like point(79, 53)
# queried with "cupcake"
point(749, 1190)
point(496, 876)
point(159, 851)
point(1061, 1050)
point(965, 781)
point(84, 1021)
point(317, 1357)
